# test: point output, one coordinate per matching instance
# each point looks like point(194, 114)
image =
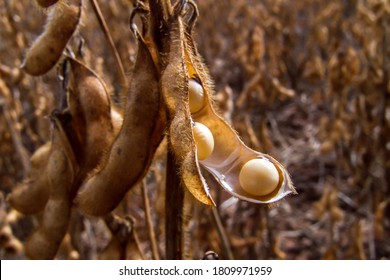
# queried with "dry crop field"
point(101, 90)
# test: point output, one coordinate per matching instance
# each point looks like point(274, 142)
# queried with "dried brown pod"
point(66, 249)
point(31, 195)
point(62, 167)
point(91, 130)
point(117, 120)
point(39, 158)
point(175, 90)
point(46, 3)
point(93, 120)
point(47, 49)
point(131, 153)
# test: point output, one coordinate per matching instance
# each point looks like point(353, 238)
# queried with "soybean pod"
point(243, 172)
point(93, 119)
point(62, 167)
point(174, 87)
point(129, 158)
point(45, 52)
point(31, 195)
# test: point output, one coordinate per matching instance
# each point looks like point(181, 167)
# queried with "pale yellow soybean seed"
point(204, 141)
point(196, 96)
point(259, 177)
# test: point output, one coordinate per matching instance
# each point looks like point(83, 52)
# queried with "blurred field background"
point(305, 81)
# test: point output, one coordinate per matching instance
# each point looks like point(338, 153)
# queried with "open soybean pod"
point(45, 52)
point(130, 155)
point(30, 196)
point(246, 174)
point(174, 87)
point(62, 167)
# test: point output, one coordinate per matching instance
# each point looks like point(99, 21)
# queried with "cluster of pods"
point(96, 154)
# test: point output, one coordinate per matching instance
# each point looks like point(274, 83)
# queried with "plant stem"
point(149, 223)
point(138, 244)
point(114, 51)
point(16, 138)
point(174, 202)
point(222, 233)
point(385, 100)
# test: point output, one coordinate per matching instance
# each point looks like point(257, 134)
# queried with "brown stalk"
point(385, 97)
point(16, 138)
point(160, 11)
point(149, 222)
point(114, 51)
point(222, 233)
point(174, 202)
point(138, 244)
point(14, 26)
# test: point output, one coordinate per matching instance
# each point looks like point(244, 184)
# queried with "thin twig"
point(15, 29)
point(16, 139)
point(385, 99)
point(270, 253)
point(149, 222)
point(5, 71)
point(222, 233)
point(251, 132)
point(138, 244)
point(242, 99)
point(114, 51)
